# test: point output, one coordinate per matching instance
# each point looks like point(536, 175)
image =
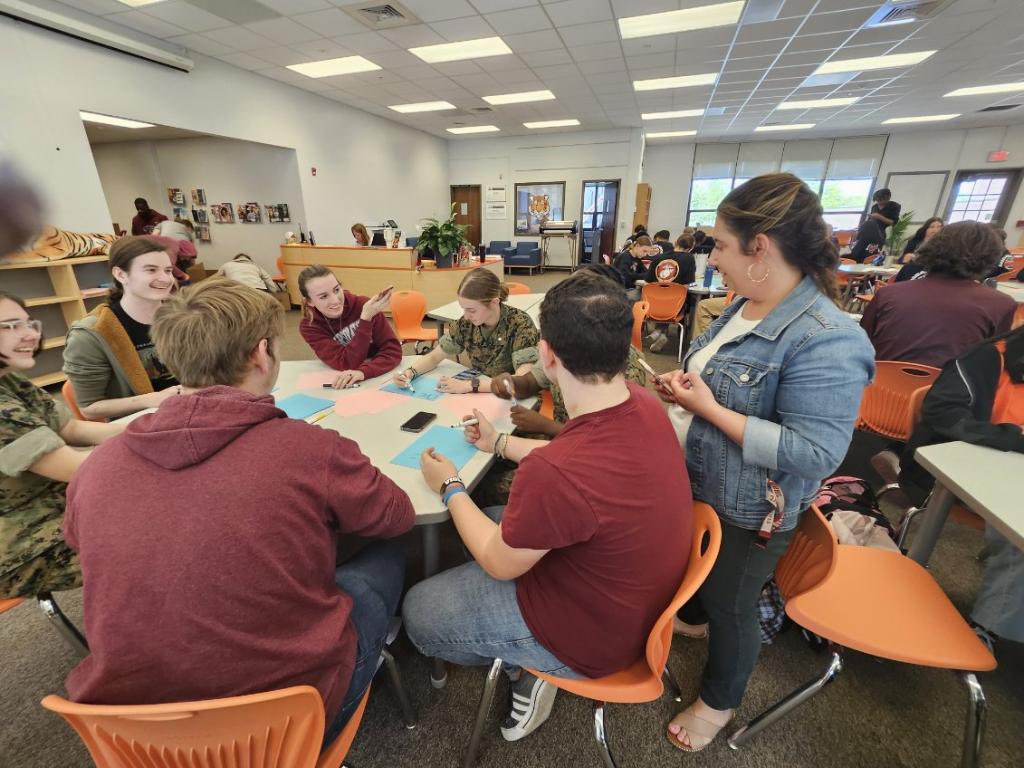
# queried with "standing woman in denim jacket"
point(765, 404)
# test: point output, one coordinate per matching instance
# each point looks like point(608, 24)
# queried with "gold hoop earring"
point(750, 277)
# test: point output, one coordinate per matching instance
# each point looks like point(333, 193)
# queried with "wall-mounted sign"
point(497, 210)
point(496, 194)
point(998, 156)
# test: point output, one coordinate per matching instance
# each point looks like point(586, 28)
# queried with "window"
point(845, 201)
point(981, 197)
point(705, 195)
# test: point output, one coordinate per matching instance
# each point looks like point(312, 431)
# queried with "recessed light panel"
point(819, 103)
point(346, 65)
point(980, 90)
point(873, 62)
point(668, 134)
point(93, 117)
point(474, 129)
point(919, 119)
point(519, 98)
point(467, 49)
point(791, 127)
point(669, 115)
point(682, 81)
point(423, 106)
point(685, 20)
point(553, 123)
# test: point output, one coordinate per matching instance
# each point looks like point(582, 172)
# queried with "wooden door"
point(467, 209)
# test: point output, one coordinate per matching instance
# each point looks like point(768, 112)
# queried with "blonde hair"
point(205, 334)
point(482, 285)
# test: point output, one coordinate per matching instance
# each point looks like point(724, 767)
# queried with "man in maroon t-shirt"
point(586, 555)
point(146, 218)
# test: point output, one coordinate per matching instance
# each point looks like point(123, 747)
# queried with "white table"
point(984, 479)
point(859, 270)
point(450, 312)
point(1012, 289)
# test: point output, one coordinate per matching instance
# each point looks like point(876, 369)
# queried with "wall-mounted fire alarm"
point(313, 169)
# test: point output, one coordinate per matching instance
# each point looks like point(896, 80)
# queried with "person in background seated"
point(663, 239)
point(979, 399)
point(242, 269)
point(885, 210)
point(924, 233)
point(347, 332)
point(868, 242)
point(678, 266)
point(254, 503)
point(765, 406)
point(109, 357)
point(628, 262)
point(570, 577)
point(638, 231)
point(496, 337)
point(935, 318)
point(360, 234)
point(145, 221)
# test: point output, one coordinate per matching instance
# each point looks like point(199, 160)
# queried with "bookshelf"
point(58, 293)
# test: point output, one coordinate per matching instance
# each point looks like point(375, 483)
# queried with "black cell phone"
point(419, 422)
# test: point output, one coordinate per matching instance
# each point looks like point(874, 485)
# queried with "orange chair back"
point(547, 404)
point(665, 300)
point(514, 288)
point(885, 406)
point(68, 393)
point(1013, 274)
point(729, 297)
point(640, 310)
point(280, 265)
point(408, 308)
point(10, 602)
point(844, 237)
point(277, 729)
point(810, 557)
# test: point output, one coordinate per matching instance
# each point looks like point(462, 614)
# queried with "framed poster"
point(223, 213)
point(198, 196)
point(536, 203)
point(175, 196)
point(496, 194)
point(203, 233)
point(497, 210)
point(278, 212)
point(249, 213)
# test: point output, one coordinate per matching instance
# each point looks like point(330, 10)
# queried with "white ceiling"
point(573, 48)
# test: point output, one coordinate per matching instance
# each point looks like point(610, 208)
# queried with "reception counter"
point(367, 270)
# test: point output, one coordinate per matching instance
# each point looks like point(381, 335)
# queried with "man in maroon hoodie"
point(348, 332)
point(207, 531)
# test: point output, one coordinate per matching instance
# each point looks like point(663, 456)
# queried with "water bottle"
point(709, 274)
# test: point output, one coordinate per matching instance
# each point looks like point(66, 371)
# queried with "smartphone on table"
point(419, 422)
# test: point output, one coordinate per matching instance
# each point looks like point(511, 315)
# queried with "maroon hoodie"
point(207, 535)
point(350, 343)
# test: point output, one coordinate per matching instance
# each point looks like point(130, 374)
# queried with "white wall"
point(228, 170)
point(668, 168)
point(368, 168)
point(572, 157)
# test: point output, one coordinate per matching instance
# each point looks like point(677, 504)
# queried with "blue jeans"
point(373, 579)
point(999, 606)
point(466, 617)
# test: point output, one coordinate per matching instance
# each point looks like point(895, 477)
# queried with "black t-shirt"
point(890, 210)
point(138, 332)
point(687, 267)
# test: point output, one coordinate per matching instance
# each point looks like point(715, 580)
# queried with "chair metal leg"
point(672, 685)
point(486, 699)
point(599, 734)
point(977, 710)
point(408, 713)
point(69, 632)
point(778, 711)
point(908, 518)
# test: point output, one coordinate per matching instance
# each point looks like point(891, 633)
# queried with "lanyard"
point(773, 520)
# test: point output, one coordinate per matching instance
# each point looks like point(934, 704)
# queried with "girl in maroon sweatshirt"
point(348, 332)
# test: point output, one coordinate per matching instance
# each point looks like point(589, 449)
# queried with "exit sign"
point(998, 156)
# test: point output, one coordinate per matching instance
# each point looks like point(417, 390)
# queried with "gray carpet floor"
point(877, 713)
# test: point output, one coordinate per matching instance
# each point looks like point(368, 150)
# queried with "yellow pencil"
point(319, 417)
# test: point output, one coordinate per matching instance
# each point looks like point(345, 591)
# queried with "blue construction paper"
point(444, 440)
point(424, 388)
point(299, 406)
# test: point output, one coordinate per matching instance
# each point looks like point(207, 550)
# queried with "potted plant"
point(898, 235)
point(442, 239)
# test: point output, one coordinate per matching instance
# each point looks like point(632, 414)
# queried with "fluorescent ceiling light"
point(519, 98)
point(346, 65)
point(920, 119)
point(139, 3)
point(475, 129)
point(978, 90)
point(873, 62)
point(467, 49)
point(680, 21)
point(92, 117)
point(683, 81)
point(815, 103)
point(553, 123)
point(791, 127)
point(668, 134)
point(667, 115)
point(423, 106)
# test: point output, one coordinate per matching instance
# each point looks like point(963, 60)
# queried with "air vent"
point(906, 12)
point(480, 110)
point(382, 15)
point(1000, 108)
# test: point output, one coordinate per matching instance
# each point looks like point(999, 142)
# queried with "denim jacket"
point(798, 377)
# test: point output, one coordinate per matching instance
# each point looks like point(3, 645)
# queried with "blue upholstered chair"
point(497, 247)
point(410, 242)
point(525, 254)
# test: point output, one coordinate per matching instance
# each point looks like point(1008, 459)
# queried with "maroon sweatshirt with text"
point(207, 534)
point(350, 343)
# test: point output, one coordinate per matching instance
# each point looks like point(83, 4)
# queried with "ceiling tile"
point(145, 23)
point(458, 68)
point(641, 7)
point(244, 60)
point(186, 16)
point(547, 58)
point(491, 6)
point(470, 28)
point(817, 42)
point(514, 22)
point(589, 34)
point(438, 10)
point(283, 31)
point(292, 7)
point(330, 23)
point(200, 44)
point(318, 50)
point(281, 55)
point(410, 37)
point(594, 52)
point(366, 43)
point(651, 61)
point(644, 45)
point(843, 21)
point(97, 7)
point(569, 12)
point(548, 40)
point(395, 59)
point(240, 38)
point(599, 66)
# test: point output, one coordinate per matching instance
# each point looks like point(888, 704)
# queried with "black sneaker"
point(529, 706)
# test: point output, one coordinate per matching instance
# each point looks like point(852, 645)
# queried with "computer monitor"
point(378, 238)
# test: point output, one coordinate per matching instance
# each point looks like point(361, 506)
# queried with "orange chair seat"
point(418, 334)
point(634, 685)
point(856, 607)
point(10, 602)
point(517, 288)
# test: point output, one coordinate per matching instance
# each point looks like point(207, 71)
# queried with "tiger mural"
point(54, 244)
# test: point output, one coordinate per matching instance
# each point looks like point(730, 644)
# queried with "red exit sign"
point(998, 156)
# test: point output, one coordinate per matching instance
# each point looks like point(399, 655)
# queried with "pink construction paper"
point(489, 405)
point(366, 401)
point(316, 379)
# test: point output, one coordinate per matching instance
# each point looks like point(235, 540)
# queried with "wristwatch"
point(476, 383)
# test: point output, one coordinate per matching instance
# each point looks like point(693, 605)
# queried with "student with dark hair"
point(629, 261)
point(663, 239)
point(571, 575)
point(904, 321)
point(146, 219)
point(109, 357)
point(924, 233)
point(765, 406)
point(638, 231)
point(885, 210)
point(676, 266)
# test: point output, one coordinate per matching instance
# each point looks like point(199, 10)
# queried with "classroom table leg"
point(431, 565)
point(930, 527)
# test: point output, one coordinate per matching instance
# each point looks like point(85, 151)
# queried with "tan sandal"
point(689, 631)
point(695, 727)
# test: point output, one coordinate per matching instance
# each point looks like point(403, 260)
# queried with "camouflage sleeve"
point(634, 372)
point(454, 341)
point(25, 437)
point(524, 340)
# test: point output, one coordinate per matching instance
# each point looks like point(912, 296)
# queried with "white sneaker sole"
point(541, 711)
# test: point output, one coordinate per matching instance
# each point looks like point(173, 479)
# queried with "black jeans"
point(727, 600)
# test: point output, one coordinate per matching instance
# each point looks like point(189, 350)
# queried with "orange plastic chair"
point(877, 602)
point(641, 682)
point(10, 602)
point(280, 278)
point(547, 404)
point(640, 310)
point(667, 302)
point(885, 405)
point(408, 308)
point(729, 297)
point(67, 391)
point(277, 729)
point(514, 288)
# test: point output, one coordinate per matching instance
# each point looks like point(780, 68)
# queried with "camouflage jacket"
point(31, 506)
point(512, 342)
point(634, 373)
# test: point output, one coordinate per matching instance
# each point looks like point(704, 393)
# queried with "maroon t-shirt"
point(619, 537)
point(934, 319)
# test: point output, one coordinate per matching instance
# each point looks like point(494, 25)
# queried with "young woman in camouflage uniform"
point(36, 464)
point(496, 337)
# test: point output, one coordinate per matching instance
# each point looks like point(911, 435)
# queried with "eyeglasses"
point(19, 326)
